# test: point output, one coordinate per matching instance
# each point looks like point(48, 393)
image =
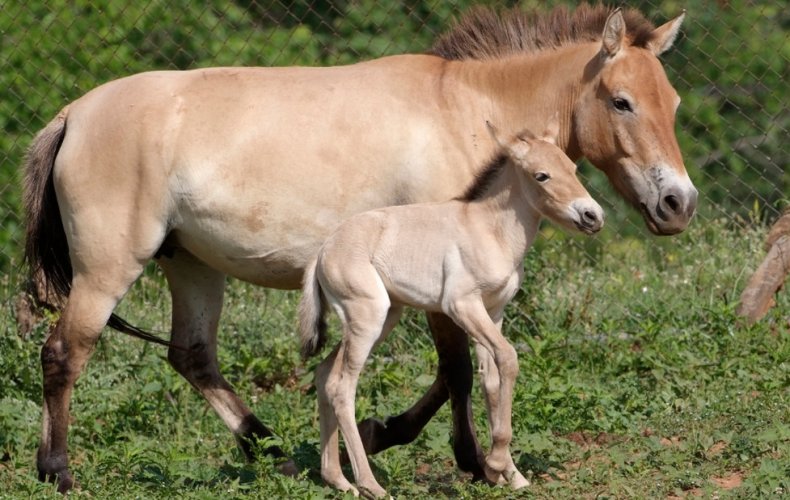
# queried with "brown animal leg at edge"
point(454, 382)
point(63, 357)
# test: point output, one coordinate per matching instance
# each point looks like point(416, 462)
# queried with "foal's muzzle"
point(589, 216)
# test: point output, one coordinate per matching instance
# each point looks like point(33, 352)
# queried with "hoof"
point(517, 480)
point(55, 469)
point(494, 477)
point(63, 479)
point(374, 492)
point(288, 468)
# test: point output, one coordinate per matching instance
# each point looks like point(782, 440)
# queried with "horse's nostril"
point(590, 216)
point(672, 202)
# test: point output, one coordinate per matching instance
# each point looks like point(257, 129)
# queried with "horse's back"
point(250, 168)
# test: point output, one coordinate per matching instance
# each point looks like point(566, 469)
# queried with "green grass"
point(637, 381)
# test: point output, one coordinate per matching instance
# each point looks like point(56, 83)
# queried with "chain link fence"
point(730, 67)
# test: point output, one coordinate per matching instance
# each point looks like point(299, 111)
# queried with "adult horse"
point(244, 171)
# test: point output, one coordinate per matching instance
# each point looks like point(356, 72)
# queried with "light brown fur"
point(172, 165)
point(462, 258)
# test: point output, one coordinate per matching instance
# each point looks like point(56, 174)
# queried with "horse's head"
point(624, 124)
point(548, 179)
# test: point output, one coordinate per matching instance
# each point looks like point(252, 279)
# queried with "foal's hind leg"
point(94, 294)
point(364, 321)
point(197, 292)
point(331, 471)
point(330, 459)
point(453, 381)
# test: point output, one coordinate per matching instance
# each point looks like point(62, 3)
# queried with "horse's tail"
point(46, 246)
point(312, 312)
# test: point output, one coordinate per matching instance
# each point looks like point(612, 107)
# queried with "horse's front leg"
point(453, 381)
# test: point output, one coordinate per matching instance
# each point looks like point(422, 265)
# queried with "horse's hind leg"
point(197, 292)
point(454, 381)
point(95, 291)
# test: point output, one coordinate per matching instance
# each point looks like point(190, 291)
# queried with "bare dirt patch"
point(728, 482)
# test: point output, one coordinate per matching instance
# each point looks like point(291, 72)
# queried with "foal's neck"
point(507, 212)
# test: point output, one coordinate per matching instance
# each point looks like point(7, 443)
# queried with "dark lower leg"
point(454, 382)
point(455, 370)
point(52, 460)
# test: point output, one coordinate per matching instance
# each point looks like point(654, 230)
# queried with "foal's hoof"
point(373, 492)
point(517, 480)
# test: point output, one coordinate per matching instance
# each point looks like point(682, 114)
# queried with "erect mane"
point(485, 177)
point(482, 33)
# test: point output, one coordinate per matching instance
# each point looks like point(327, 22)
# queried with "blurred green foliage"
point(730, 68)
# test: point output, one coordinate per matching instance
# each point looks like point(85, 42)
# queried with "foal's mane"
point(483, 33)
point(485, 177)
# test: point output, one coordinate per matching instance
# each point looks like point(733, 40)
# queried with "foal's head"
point(548, 179)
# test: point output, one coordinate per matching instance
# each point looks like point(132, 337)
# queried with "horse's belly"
point(276, 267)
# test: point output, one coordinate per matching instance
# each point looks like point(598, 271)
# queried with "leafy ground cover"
point(637, 381)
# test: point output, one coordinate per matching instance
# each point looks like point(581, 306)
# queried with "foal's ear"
point(613, 33)
point(494, 134)
point(664, 36)
point(552, 131)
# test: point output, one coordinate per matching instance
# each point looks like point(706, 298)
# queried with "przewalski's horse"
point(463, 258)
point(245, 171)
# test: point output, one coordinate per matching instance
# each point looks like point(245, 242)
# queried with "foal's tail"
point(312, 309)
point(46, 247)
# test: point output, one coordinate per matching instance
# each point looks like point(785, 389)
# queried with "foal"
point(463, 258)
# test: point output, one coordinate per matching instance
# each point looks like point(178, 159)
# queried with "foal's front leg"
point(474, 318)
point(490, 381)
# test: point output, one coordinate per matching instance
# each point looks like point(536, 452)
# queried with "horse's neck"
point(526, 90)
point(508, 214)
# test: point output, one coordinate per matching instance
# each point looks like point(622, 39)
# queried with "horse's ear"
point(552, 131)
point(664, 36)
point(613, 33)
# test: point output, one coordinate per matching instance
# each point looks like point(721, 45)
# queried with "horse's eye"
point(621, 104)
point(542, 177)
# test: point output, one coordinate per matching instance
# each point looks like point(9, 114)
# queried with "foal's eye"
point(621, 104)
point(542, 177)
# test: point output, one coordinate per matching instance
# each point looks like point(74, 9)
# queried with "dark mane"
point(483, 33)
point(485, 178)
